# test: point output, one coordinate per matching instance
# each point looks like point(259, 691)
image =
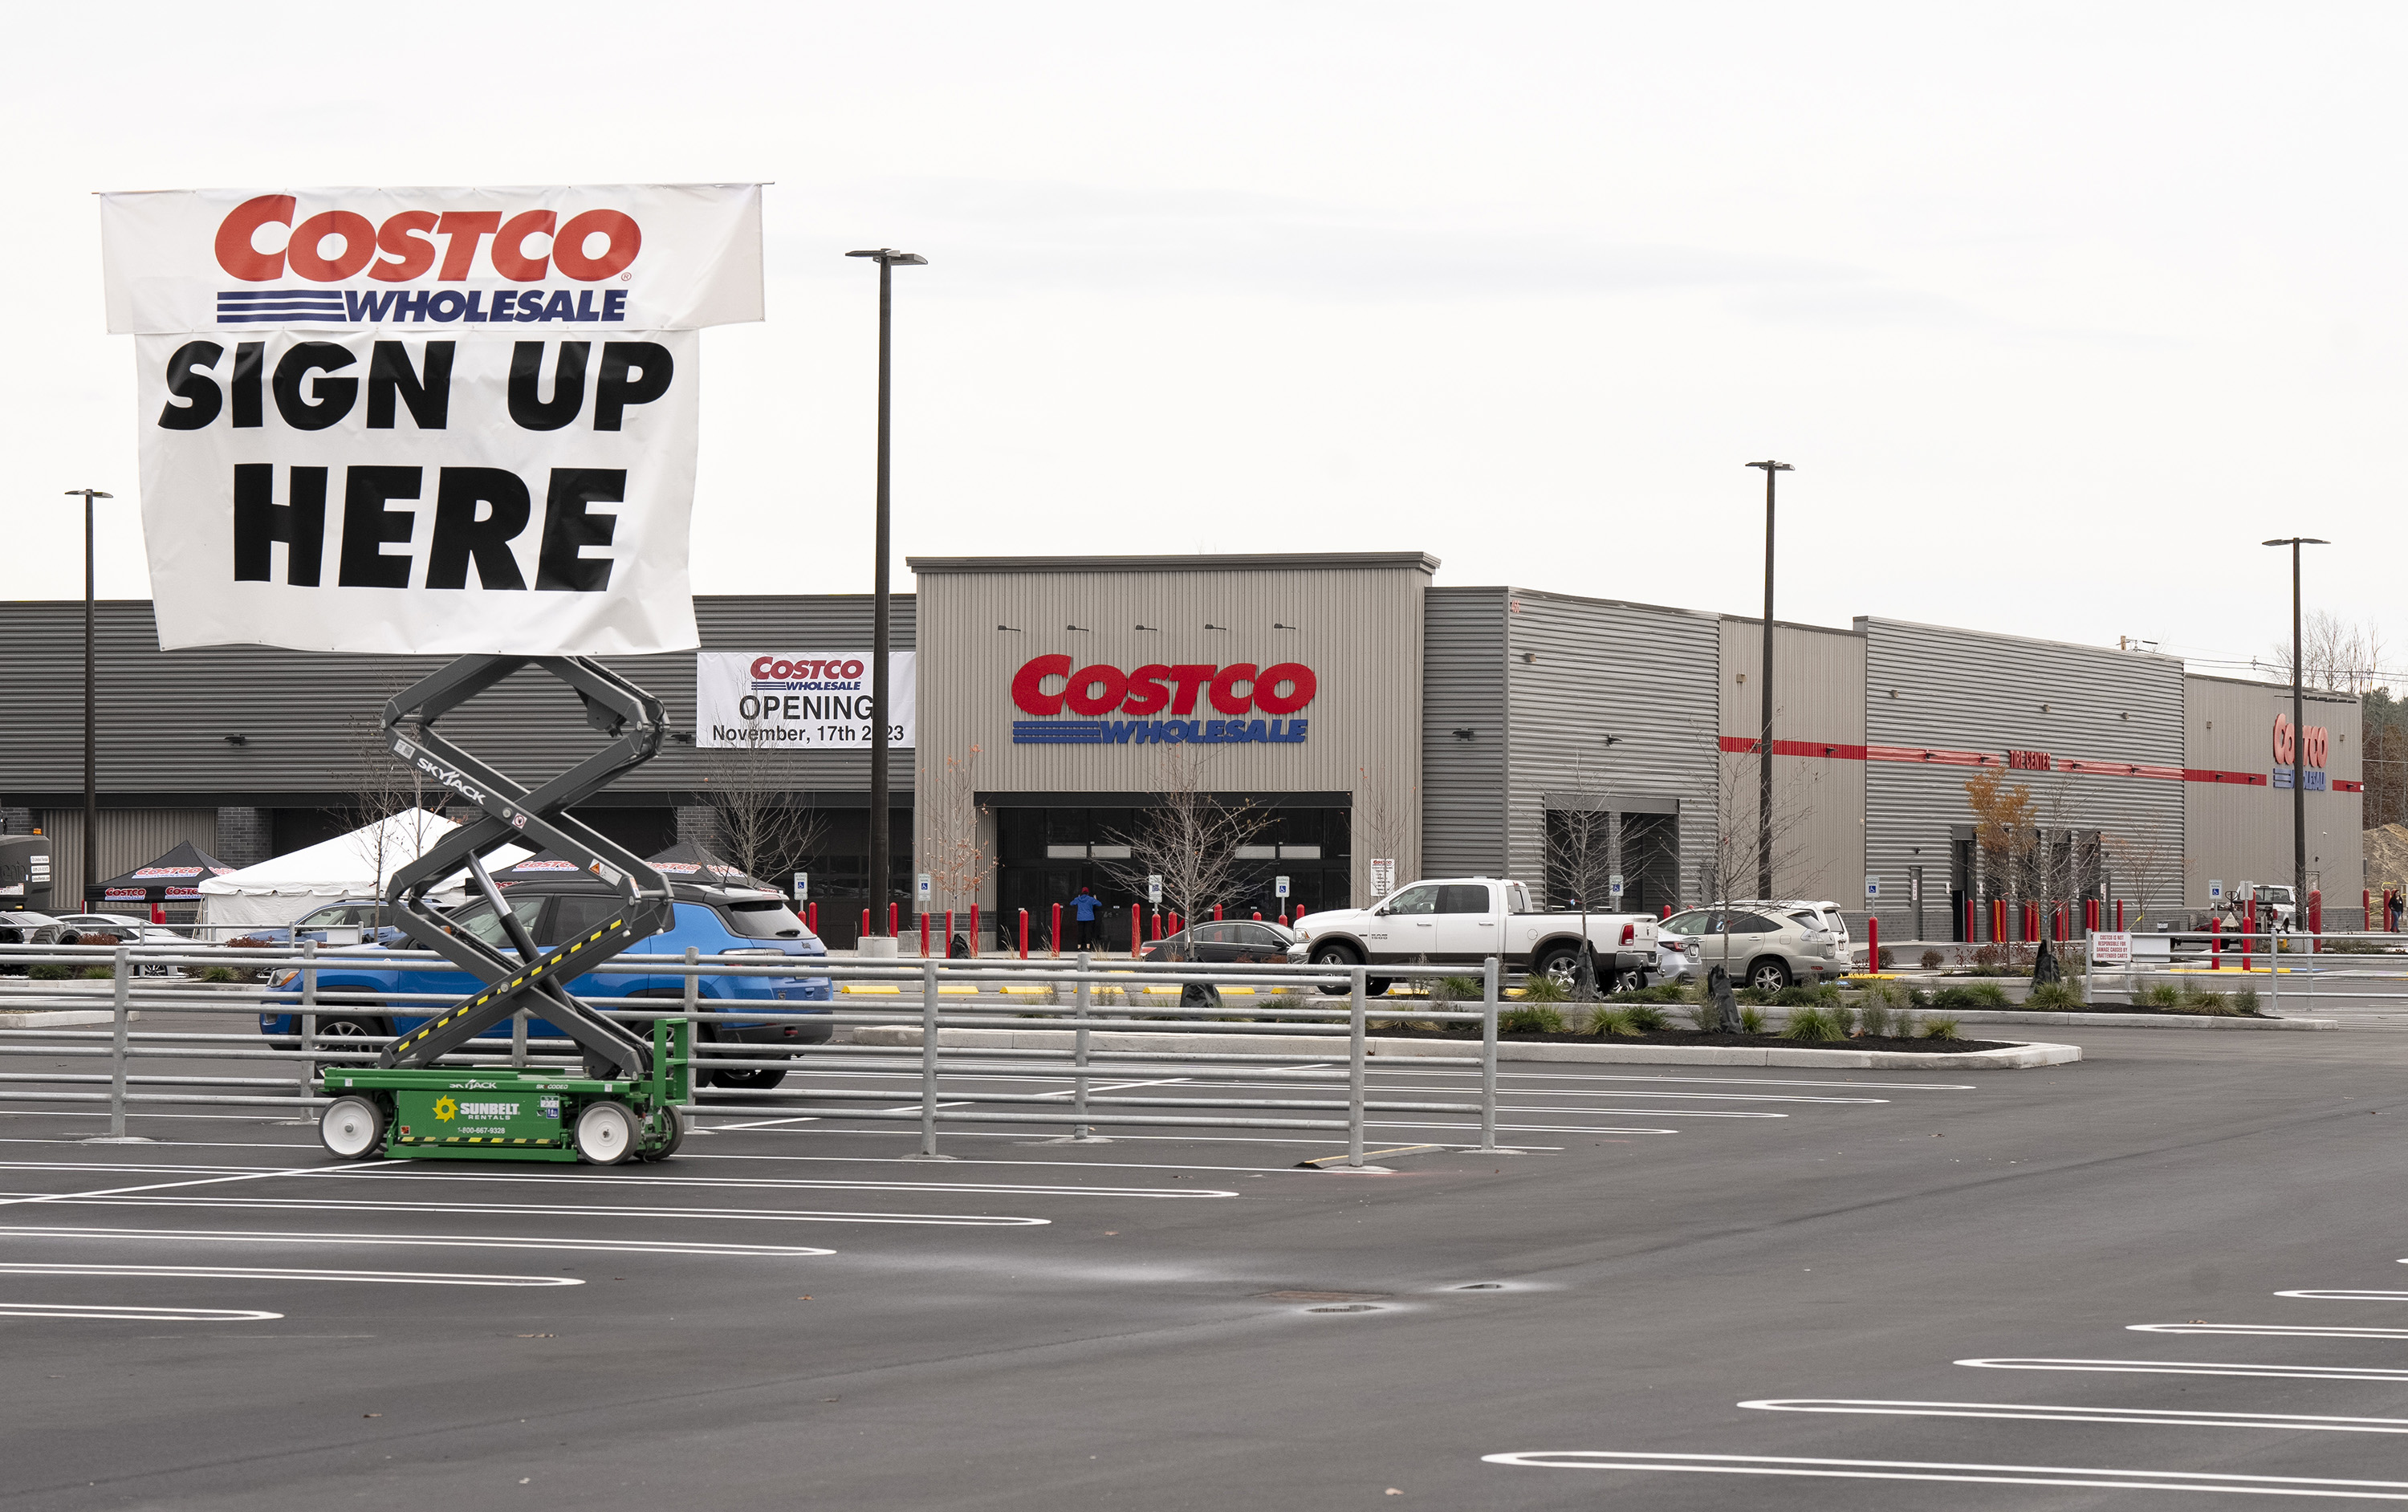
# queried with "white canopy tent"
point(356, 866)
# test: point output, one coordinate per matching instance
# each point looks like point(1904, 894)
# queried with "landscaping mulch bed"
point(1691, 1036)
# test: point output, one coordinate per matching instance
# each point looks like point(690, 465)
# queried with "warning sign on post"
point(426, 421)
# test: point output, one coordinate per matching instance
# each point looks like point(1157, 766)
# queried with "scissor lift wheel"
point(608, 1132)
point(352, 1128)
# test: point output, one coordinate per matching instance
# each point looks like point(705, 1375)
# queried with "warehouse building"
point(1370, 724)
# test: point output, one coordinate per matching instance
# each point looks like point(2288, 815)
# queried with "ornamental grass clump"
point(1940, 1027)
point(1456, 990)
point(1814, 1024)
point(1751, 1020)
point(2060, 996)
point(1647, 1019)
point(1540, 987)
point(1532, 1019)
point(1611, 1020)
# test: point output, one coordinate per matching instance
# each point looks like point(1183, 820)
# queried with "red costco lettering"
point(1046, 686)
point(589, 247)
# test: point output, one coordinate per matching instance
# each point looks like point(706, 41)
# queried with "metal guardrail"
point(1077, 993)
point(2349, 962)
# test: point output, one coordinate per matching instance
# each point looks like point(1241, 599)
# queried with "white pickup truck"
point(1464, 919)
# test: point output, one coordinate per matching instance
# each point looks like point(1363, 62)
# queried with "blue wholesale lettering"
point(442, 306)
point(1158, 731)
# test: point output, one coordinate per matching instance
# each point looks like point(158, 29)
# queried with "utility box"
point(25, 873)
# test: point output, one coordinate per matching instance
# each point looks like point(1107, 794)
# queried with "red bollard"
point(924, 936)
point(2316, 917)
point(2248, 931)
point(974, 931)
point(1969, 935)
point(1998, 920)
point(1136, 934)
point(1666, 913)
point(1216, 913)
point(2119, 916)
point(1873, 945)
point(894, 918)
point(811, 918)
point(2366, 910)
point(1023, 934)
point(946, 945)
point(2216, 944)
point(1153, 922)
point(1054, 940)
point(865, 924)
point(1174, 920)
point(1258, 915)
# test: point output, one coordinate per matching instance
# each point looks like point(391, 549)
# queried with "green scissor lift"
point(627, 1102)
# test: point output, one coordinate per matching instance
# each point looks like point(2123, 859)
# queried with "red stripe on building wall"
point(1936, 756)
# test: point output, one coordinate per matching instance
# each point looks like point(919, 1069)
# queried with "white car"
point(1767, 944)
point(1464, 919)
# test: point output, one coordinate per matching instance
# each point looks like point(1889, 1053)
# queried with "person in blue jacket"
point(1088, 907)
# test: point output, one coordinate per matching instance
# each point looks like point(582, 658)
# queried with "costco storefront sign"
point(1052, 685)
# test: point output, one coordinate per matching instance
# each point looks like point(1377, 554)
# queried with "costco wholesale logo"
point(1046, 686)
point(336, 246)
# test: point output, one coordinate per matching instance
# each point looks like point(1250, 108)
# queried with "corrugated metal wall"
point(1356, 620)
point(1463, 797)
point(2240, 832)
point(128, 838)
point(1578, 670)
point(1818, 801)
point(163, 715)
point(1928, 687)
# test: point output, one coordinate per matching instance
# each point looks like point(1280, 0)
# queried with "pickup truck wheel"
point(1338, 955)
point(1768, 974)
point(1562, 963)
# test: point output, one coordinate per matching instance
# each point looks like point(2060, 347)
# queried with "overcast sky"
point(2057, 310)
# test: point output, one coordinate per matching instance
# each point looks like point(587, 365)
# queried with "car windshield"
point(479, 919)
point(763, 919)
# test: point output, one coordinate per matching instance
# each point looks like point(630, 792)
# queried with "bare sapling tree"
point(1189, 838)
point(386, 803)
point(1742, 842)
point(1580, 864)
point(758, 824)
point(1386, 829)
point(2151, 857)
point(959, 861)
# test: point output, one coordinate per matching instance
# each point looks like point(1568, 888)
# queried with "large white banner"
point(799, 699)
point(438, 420)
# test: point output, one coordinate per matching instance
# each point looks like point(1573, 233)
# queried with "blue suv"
point(729, 922)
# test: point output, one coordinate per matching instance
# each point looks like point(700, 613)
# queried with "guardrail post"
point(693, 1005)
point(928, 1063)
point(122, 971)
point(309, 1016)
point(1079, 1128)
point(2089, 971)
point(1355, 1071)
point(1489, 977)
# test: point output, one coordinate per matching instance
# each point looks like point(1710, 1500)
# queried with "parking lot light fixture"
point(1764, 676)
point(2299, 740)
point(881, 861)
point(90, 708)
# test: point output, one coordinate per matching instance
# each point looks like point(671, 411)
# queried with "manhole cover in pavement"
point(1322, 1296)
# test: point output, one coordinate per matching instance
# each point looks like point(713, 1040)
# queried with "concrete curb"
point(2124, 1020)
point(1324, 1046)
point(58, 1019)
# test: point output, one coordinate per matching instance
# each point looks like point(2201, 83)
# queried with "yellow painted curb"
point(871, 987)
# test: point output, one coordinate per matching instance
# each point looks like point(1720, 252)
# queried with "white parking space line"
point(1695, 1081)
point(1941, 1471)
point(132, 1315)
point(2301, 1331)
point(260, 1273)
point(2347, 1296)
point(737, 1215)
point(590, 1179)
point(2024, 1412)
point(21, 1199)
point(2197, 1367)
point(437, 1241)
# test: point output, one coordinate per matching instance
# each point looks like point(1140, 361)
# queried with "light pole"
point(91, 721)
point(1764, 675)
point(2299, 742)
point(881, 861)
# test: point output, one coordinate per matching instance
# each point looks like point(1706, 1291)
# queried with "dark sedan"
point(1235, 941)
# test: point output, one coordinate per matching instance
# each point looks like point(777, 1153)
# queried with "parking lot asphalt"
point(791, 1315)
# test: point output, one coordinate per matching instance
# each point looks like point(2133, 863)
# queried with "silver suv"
point(1766, 945)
